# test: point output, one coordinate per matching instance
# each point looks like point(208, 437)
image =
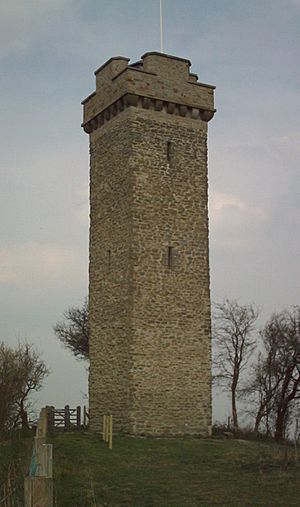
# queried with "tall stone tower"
point(149, 299)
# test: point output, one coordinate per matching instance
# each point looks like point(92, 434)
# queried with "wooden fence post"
point(38, 488)
point(84, 417)
point(41, 430)
point(78, 417)
point(104, 428)
point(46, 461)
point(38, 451)
point(110, 431)
point(48, 456)
point(50, 418)
point(107, 428)
point(38, 492)
point(67, 417)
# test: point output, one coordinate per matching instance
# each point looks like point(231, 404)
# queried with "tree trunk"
point(262, 411)
point(280, 425)
point(234, 410)
point(257, 423)
point(268, 431)
point(24, 416)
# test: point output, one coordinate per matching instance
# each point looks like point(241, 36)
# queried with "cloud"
point(39, 263)
point(81, 210)
point(234, 222)
point(289, 139)
point(21, 20)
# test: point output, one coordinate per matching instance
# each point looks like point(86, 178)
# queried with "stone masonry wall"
point(171, 372)
point(110, 273)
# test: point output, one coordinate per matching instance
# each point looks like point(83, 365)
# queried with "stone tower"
point(149, 298)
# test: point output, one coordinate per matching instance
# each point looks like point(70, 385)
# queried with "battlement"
point(158, 81)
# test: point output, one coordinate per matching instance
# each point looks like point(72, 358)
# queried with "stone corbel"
point(146, 103)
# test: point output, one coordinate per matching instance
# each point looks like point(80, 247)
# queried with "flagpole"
point(161, 28)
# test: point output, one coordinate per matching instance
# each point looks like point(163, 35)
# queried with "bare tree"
point(21, 372)
point(32, 371)
point(275, 383)
point(284, 329)
point(73, 332)
point(10, 386)
point(261, 388)
point(234, 344)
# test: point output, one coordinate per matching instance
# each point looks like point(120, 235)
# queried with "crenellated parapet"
point(158, 82)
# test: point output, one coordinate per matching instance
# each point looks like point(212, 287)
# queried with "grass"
point(158, 472)
point(172, 472)
point(15, 452)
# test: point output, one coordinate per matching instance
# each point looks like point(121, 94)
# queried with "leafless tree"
point(261, 388)
point(284, 330)
point(234, 344)
point(21, 372)
point(10, 386)
point(275, 383)
point(32, 371)
point(73, 331)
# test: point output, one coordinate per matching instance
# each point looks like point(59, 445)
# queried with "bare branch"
point(73, 332)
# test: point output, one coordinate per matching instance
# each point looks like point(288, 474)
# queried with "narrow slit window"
point(169, 152)
point(170, 257)
point(108, 260)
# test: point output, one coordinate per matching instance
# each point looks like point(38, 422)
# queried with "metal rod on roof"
point(161, 28)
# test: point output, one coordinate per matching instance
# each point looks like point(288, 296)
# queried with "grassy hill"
point(172, 472)
point(159, 472)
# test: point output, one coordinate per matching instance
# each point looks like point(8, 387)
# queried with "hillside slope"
point(170, 472)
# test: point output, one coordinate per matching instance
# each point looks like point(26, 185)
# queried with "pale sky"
point(49, 50)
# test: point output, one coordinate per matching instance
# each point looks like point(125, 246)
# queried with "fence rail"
point(68, 419)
